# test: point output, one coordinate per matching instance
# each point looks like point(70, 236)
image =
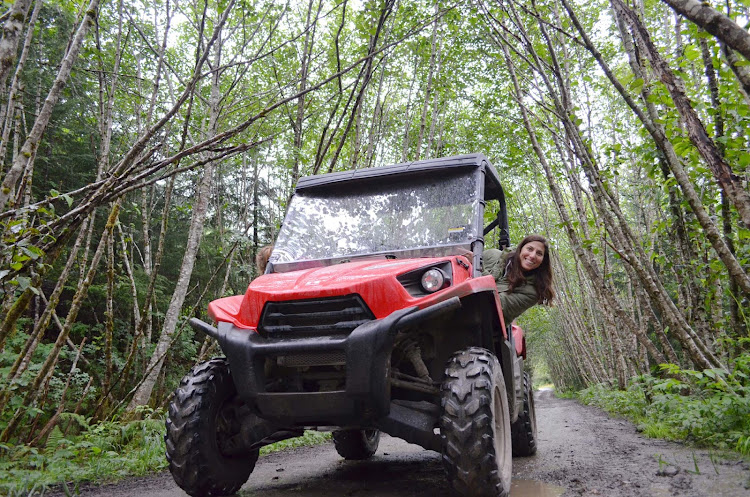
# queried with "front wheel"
point(524, 429)
point(203, 425)
point(356, 444)
point(475, 425)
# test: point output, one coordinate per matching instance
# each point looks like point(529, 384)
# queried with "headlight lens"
point(432, 280)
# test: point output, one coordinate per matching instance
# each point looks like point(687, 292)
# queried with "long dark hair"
point(543, 282)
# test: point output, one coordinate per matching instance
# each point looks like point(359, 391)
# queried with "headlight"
point(433, 280)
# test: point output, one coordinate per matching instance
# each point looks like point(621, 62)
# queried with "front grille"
point(334, 358)
point(335, 316)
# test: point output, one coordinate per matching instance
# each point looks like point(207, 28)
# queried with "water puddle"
point(531, 488)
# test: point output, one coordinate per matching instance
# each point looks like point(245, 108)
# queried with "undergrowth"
point(709, 408)
point(100, 453)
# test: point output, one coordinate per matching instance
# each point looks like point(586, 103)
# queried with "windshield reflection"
point(343, 221)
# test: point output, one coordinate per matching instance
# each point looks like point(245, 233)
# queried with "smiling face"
point(532, 255)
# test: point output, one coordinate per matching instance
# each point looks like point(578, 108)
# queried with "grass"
point(709, 408)
point(307, 439)
point(100, 453)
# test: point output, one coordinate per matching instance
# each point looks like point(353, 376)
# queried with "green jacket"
point(521, 298)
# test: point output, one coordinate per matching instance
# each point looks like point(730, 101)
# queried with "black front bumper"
point(367, 350)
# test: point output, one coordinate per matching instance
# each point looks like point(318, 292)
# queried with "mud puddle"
point(532, 488)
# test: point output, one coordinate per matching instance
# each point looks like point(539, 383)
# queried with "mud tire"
point(475, 425)
point(524, 429)
point(356, 445)
point(200, 418)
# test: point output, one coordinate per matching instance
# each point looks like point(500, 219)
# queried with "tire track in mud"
point(580, 449)
point(588, 453)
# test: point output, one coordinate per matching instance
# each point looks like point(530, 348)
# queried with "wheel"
point(524, 429)
point(203, 419)
point(356, 444)
point(475, 425)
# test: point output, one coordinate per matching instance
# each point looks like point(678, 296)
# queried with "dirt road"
point(582, 452)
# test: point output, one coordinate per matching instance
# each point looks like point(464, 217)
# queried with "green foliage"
point(100, 452)
point(709, 408)
point(77, 451)
point(307, 439)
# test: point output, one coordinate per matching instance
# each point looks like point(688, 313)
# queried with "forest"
point(150, 148)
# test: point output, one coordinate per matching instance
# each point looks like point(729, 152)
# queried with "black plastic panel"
point(335, 316)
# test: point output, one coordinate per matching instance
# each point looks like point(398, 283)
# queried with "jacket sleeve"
point(493, 262)
point(516, 302)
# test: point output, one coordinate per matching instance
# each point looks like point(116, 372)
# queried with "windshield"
point(380, 218)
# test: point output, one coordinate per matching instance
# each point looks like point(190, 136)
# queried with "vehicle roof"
point(492, 188)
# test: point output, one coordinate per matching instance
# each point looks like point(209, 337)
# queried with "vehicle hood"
point(373, 280)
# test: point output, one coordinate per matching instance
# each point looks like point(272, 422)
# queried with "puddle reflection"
point(531, 488)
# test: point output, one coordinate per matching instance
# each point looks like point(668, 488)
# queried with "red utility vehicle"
point(373, 316)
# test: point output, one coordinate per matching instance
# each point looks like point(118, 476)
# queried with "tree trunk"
point(195, 232)
point(15, 85)
point(740, 70)
point(729, 182)
point(428, 87)
point(366, 75)
point(376, 122)
point(657, 133)
point(407, 116)
point(716, 23)
point(40, 124)
point(126, 263)
point(435, 117)
point(61, 407)
point(304, 69)
point(51, 360)
point(12, 29)
point(576, 244)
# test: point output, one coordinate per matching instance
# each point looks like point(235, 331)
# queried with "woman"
point(261, 258)
point(523, 276)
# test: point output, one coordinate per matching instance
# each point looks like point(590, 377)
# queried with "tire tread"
point(467, 425)
point(200, 472)
point(354, 444)
point(523, 430)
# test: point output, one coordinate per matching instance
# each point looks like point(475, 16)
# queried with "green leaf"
point(24, 283)
point(33, 252)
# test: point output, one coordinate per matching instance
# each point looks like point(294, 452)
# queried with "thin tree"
point(195, 232)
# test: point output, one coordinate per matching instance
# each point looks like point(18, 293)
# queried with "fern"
point(743, 445)
point(73, 423)
point(53, 440)
point(709, 408)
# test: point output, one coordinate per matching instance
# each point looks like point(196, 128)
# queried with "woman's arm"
point(516, 302)
point(521, 298)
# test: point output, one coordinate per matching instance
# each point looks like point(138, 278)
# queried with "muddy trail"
point(581, 452)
